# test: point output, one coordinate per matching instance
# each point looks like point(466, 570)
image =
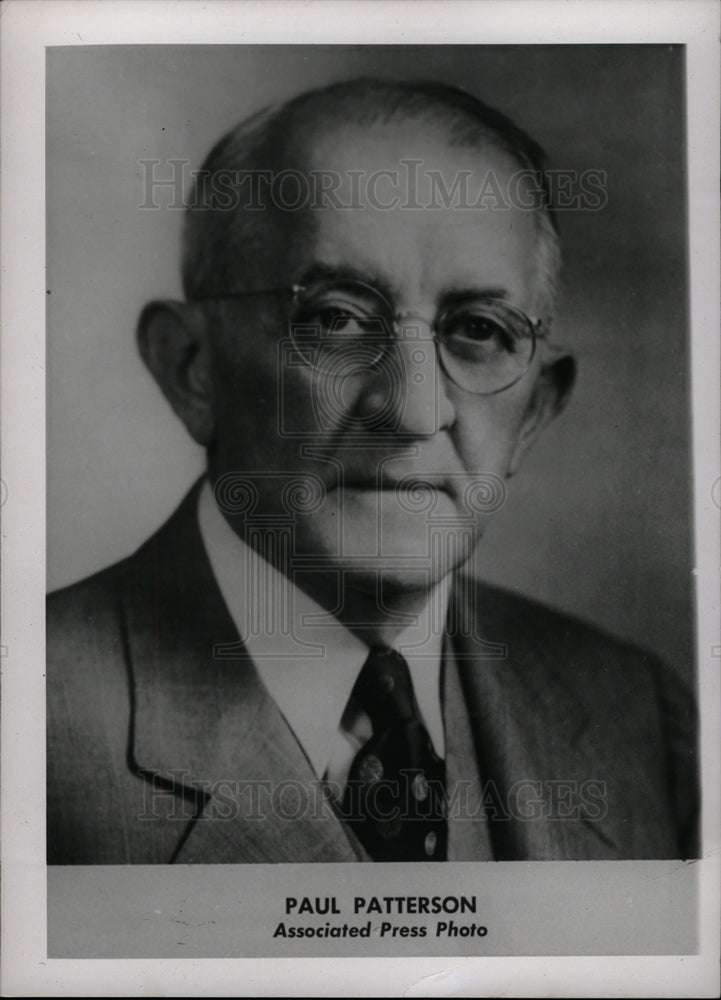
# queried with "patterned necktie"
point(394, 797)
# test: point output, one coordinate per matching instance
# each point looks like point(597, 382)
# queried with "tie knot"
point(384, 688)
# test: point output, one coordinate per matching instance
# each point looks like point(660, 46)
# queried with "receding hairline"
point(281, 136)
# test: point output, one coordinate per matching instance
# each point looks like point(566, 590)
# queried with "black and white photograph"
point(372, 494)
point(299, 665)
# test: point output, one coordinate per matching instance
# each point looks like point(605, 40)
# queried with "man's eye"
point(480, 329)
point(339, 320)
point(468, 329)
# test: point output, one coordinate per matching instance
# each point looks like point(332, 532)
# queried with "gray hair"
point(215, 237)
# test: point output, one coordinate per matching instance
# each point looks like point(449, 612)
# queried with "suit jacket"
point(164, 746)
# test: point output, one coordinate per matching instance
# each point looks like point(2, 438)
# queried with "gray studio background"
point(598, 520)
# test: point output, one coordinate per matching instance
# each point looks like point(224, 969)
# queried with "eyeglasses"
point(345, 328)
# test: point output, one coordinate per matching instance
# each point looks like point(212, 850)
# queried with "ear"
point(551, 393)
point(173, 342)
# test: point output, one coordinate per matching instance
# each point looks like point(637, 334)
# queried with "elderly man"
point(295, 667)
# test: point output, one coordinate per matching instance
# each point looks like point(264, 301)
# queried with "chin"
point(397, 581)
point(404, 561)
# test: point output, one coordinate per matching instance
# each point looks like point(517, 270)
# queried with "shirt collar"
point(307, 660)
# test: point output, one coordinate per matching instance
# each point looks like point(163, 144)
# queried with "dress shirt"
point(306, 659)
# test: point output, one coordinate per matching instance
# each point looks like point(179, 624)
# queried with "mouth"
point(413, 485)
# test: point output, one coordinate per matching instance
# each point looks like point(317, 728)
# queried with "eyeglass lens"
point(344, 329)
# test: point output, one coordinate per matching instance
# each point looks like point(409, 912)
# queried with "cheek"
point(268, 407)
point(487, 429)
point(246, 406)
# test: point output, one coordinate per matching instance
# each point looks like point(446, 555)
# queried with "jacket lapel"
point(205, 730)
point(468, 832)
point(531, 732)
point(204, 727)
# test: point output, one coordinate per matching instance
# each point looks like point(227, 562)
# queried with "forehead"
point(423, 216)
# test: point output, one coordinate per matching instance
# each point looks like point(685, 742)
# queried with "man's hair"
point(277, 138)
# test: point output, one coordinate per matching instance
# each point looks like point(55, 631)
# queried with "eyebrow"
point(320, 271)
point(459, 295)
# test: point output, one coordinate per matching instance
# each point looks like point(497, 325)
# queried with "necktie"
point(394, 797)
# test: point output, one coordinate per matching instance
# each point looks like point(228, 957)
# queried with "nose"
point(408, 393)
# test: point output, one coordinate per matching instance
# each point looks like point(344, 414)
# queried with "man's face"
point(358, 442)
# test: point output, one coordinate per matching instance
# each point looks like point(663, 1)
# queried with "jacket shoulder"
point(530, 627)
point(88, 720)
point(85, 635)
point(633, 698)
point(538, 620)
point(596, 662)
